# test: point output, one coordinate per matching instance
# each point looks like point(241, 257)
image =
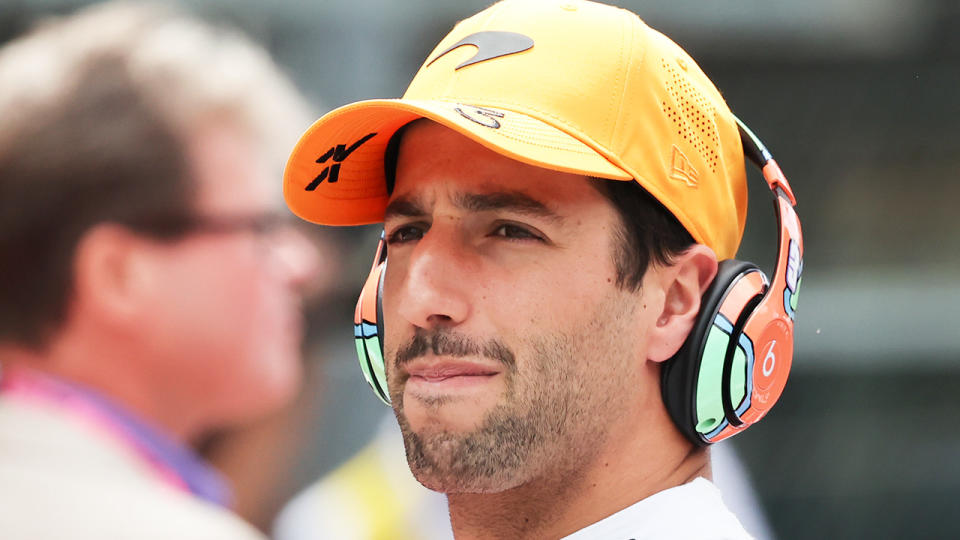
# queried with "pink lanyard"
point(22, 384)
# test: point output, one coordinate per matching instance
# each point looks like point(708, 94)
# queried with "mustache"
point(446, 343)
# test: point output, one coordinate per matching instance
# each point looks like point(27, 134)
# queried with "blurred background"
point(857, 99)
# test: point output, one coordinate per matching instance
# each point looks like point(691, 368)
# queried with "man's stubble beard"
point(553, 417)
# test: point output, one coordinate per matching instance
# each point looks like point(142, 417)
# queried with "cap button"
point(569, 6)
point(682, 63)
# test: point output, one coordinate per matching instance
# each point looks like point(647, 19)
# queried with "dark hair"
point(648, 231)
point(102, 155)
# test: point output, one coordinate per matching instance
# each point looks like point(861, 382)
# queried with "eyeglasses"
point(263, 224)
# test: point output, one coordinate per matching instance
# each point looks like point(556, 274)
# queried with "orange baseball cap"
point(571, 85)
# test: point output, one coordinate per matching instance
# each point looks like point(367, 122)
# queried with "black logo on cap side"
point(340, 152)
point(490, 44)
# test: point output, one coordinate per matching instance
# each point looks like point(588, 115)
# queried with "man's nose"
point(435, 285)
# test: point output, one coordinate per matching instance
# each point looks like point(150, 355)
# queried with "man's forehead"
point(427, 148)
point(483, 198)
point(434, 161)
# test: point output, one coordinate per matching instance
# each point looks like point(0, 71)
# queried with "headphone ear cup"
point(704, 353)
point(368, 333)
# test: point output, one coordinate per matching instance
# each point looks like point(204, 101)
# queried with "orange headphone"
point(734, 364)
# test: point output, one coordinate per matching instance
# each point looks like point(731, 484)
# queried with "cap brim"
point(335, 175)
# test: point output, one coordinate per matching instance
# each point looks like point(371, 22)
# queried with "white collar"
point(690, 511)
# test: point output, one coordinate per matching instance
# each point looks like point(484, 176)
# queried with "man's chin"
point(460, 486)
point(445, 414)
point(439, 474)
point(455, 463)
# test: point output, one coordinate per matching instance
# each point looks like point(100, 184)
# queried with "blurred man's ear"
point(108, 272)
point(683, 284)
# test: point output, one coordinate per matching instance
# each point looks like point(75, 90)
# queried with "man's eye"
point(406, 233)
point(508, 230)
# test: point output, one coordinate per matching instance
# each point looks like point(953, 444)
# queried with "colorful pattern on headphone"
point(710, 408)
point(734, 364)
point(367, 328)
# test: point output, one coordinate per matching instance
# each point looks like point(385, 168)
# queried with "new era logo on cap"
point(682, 169)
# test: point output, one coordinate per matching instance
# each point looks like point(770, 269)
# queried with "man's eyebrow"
point(404, 207)
point(513, 201)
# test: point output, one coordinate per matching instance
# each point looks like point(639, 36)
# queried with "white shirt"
point(691, 511)
point(63, 477)
point(340, 505)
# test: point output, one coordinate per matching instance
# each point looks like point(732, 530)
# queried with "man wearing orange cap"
point(556, 187)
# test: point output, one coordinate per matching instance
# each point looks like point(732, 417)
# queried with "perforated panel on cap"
point(692, 113)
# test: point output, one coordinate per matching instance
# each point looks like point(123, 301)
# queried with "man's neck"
point(559, 504)
point(104, 369)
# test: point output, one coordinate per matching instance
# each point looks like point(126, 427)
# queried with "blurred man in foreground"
point(151, 290)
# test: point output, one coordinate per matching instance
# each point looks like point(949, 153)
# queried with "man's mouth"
point(447, 376)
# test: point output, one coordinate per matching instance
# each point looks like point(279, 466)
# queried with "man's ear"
point(106, 274)
point(683, 284)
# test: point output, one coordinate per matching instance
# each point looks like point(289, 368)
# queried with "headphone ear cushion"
point(368, 333)
point(680, 374)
